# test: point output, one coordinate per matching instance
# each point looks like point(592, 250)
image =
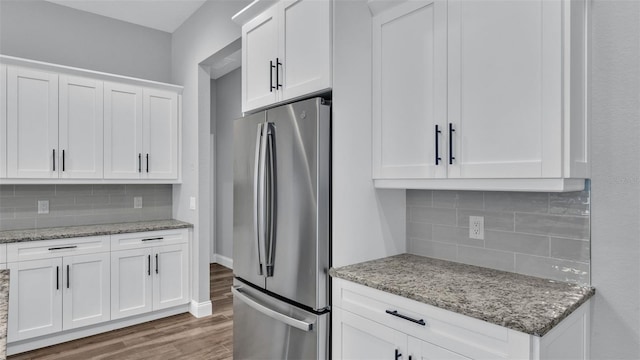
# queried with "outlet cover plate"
point(43, 206)
point(476, 227)
point(137, 202)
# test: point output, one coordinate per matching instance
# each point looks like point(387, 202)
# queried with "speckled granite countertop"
point(4, 311)
point(10, 236)
point(519, 302)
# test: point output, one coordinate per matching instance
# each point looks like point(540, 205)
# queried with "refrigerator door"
point(298, 177)
point(267, 328)
point(247, 249)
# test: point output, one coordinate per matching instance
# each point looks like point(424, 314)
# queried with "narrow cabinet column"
point(3, 121)
point(32, 123)
point(81, 128)
point(123, 158)
point(171, 275)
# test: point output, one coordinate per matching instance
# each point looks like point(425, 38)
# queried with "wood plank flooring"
point(176, 337)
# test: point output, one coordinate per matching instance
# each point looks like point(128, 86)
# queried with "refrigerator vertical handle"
point(257, 194)
point(272, 188)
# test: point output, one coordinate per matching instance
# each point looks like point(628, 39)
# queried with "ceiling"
point(164, 15)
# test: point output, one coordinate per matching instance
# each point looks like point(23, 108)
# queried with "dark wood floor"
point(176, 337)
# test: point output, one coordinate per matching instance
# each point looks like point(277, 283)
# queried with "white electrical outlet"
point(137, 202)
point(476, 227)
point(43, 206)
point(192, 203)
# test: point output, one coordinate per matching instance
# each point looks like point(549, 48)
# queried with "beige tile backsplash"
point(539, 234)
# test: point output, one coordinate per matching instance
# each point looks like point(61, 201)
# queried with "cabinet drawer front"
point(47, 249)
point(148, 239)
point(470, 337)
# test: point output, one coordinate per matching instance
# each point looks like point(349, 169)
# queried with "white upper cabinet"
point(32, 123)
point(260, 60)
point(160, 134)
point(122, 131)
point(286, 51)
point(80, 128)
point(3, 121)
point(72, 126)
point(409, 92)
point(503, 82)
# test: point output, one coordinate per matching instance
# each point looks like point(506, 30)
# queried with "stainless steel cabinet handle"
point(397, 354)
point(147, 162)
point(139, 162)
point(149, 265)
point(63, 160)
point(156, 263)
point(67, 276)
point(298, 324)
point(57, 277)
point(54, 159)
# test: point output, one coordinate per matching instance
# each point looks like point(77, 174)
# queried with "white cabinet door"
point(409, 91)
point(259, 63)
point(86, 290)
point(81, 128)
point(3, 120)
point(505, 88)
point(358, 338)
point(422, 350)
point(305, 47)
point(32, 123)
point(122, 131)
point(131, 282)
point(160, 129)
point(35, 298)
point(170, 282)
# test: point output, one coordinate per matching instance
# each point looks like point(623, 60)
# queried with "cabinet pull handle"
point(57, 277)
point(54, 159)
point(139, 162)
point(63, 247)
point(398, 354)
point(67, 276)
point(63, 160)
point(278, 65)
point(271, 66)
point(149, 265)
point(152, 239)
point(147, 162)
point(438, 132)
point(395, 313)
point(451, 131)
point(409, 357)
point(156, 263)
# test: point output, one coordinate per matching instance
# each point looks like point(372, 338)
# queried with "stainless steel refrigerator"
point(281, 232)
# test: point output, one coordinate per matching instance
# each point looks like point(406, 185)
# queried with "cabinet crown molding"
point(252, 10)
point(96, 75)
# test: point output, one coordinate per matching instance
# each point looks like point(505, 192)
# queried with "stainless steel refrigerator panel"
point(246, 259)
point(266, 328)
point(298, 254)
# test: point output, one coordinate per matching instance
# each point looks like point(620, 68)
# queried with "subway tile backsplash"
point(539, 234)
point(81, 204)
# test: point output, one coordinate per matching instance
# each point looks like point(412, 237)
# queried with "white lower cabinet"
point(85, 290)
point(371, 324)
point(148, 276)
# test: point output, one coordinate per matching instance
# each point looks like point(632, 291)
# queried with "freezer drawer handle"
point(395, 313)
point(298, 324)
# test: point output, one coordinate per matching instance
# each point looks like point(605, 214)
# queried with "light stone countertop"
point(4, 312)
point(9, 236)
point(519, 302)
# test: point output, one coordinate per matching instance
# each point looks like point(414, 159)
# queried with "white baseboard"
point(223, 260)
point(68, 335)
point(202, 309)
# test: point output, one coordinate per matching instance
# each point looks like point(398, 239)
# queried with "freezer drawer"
point(267, 328)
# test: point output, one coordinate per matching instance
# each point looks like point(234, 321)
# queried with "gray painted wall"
point(206, 32)
point(615, 184)
point(228, 108)
point(44, 31)
point(538, 234)
point(71, 205)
